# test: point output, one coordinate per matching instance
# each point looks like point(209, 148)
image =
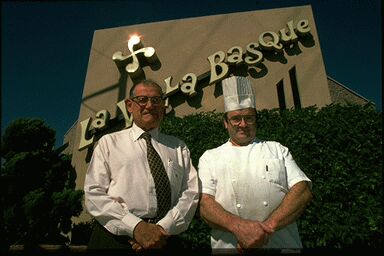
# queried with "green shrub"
point(338, 147)
point(39, 195)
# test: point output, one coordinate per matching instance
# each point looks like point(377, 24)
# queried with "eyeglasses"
point(236, 120)
point(143, 100)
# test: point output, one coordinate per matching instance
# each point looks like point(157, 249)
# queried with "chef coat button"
point(233, 180)
point(265, 203)
point(263, 177)
point(238, 205)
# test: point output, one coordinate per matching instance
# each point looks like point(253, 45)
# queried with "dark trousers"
point(104, 242)
point(101, 238)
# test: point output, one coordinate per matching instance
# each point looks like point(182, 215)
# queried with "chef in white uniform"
point(252, 190)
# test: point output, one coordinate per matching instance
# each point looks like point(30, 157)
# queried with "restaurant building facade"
point(277, 49)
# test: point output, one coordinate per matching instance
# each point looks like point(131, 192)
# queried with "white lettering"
point(289, 36)
point(255, 56)
point(235, 55)
point(218, 68)
point(123, 108)
point(303, 27)
point(272, 43)
point(84, 142)
point(189, 84)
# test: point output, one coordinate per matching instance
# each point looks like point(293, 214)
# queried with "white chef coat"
point(251, 181)
point(119, 187)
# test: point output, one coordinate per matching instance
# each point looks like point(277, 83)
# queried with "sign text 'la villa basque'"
point(219, 67)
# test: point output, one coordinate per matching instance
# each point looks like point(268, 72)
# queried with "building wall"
point(340, 94)
point(187, 63)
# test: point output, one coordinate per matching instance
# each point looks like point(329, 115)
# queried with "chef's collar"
point(255, 140)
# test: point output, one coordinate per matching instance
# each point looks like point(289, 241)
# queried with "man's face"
point(150, 114)
point(241, 126)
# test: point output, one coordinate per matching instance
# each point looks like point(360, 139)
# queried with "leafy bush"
point(338, 147)
point(39, 197)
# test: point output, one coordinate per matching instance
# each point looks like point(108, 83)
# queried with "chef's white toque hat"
point(238, 93)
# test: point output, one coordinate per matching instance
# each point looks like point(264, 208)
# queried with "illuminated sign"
point(220, 61)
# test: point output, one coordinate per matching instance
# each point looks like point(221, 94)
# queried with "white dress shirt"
point(119, 188)
point(251, 181)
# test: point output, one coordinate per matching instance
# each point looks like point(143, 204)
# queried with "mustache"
point(243, 128)
point(152, 112)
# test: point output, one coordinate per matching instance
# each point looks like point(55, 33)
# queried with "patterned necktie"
point(162, 185)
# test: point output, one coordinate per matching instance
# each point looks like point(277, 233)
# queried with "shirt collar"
point(254, 141)
point(137, 131)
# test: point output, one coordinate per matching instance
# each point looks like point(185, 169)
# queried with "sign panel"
point(277, 49)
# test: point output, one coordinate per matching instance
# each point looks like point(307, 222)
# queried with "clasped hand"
point(251, 234)
point(148, 236)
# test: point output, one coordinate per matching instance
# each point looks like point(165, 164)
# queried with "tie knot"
point(146, 136)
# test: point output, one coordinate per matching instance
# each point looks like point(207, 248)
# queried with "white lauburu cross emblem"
point(132, 62)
